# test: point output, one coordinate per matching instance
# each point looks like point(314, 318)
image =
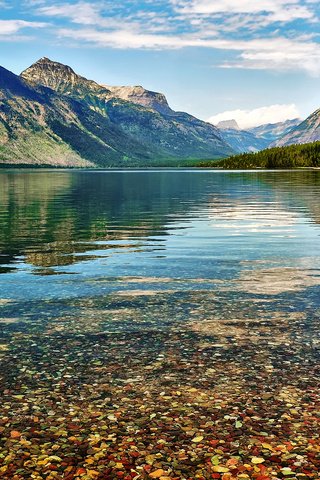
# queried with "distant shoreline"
point(142, 168)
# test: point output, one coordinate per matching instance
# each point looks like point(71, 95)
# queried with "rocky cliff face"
point(305, 132)
point(140, 115)
point(141, 96)
point(228, 125)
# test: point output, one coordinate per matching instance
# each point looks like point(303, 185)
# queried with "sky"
point(257, 61)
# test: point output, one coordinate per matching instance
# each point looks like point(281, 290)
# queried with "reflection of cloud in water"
point(246, 331)
point(5, 301)
point(253, 217)
point(274, 281)
point(9, 320)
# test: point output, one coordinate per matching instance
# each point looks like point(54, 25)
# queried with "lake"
point(152, 320)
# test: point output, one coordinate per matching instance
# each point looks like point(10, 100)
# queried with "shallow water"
point(159, 322)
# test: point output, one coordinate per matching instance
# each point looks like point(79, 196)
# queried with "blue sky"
point(259, 59)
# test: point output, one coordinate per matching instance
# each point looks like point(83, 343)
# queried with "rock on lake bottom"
point(159, 324)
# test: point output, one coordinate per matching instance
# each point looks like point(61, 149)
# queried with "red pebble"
point(135, 454)
point(214, 443)
point(81, 471)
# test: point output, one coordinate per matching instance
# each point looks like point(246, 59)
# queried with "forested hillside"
point(293, 156)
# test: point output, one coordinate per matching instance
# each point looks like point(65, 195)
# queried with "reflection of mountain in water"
point(52, 217)
point(25, 218)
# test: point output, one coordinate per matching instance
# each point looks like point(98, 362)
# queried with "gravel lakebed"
point(167, 384)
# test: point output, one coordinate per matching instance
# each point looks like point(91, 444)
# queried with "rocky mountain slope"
point(40, 127)
point(305, 132)
point(241, 140)
point(24, 131)
point(63, 79)
point(273, 131)
point(146, 130)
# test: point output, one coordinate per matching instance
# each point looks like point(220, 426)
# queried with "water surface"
point(162, 322)
point(80, 234)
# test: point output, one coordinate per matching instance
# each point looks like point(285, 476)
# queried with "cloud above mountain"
point(12, 27)
point(258, 116)
point(276, 10)
point(276, 35)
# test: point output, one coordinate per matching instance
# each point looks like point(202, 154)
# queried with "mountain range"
point(256, 138)
point(305, 132)
point(50, 115)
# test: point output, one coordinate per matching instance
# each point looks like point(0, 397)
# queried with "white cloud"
point(264, 53)
point(11, 27)
point(211, 24)
point(258, 116)
point(280, 10)
point(277, 60)
point(91, 15)
point(279, 54)
point(133, 39)
point(82, 12)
